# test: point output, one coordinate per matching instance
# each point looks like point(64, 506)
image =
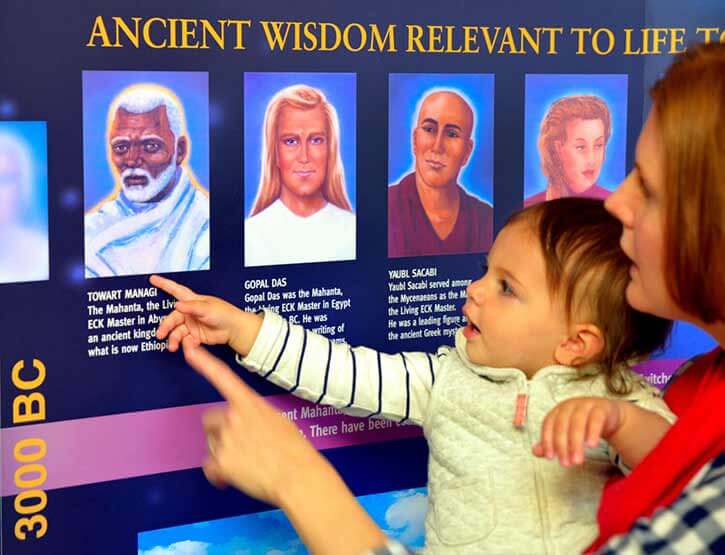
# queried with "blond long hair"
point(302, 97)
point(553, 129)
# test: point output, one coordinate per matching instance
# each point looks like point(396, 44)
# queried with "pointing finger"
point(174, 289)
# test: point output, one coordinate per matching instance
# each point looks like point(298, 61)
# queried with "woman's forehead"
point(649, 152)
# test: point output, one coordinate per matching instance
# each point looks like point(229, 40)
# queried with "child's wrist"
point(244, 332)
point(621, 409)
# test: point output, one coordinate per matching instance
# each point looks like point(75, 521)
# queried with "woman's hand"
point(259, 451)
point(252, 446)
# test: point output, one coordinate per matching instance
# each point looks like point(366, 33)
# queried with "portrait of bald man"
point(157, 217)
point(429, 211)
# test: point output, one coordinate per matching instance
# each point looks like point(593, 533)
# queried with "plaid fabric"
point(693, 524)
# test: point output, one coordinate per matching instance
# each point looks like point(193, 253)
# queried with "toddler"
point(548, 321)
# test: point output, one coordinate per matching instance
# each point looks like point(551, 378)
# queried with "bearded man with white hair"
point(157, 218)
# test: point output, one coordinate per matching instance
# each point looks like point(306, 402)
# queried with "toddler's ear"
point(584, 344)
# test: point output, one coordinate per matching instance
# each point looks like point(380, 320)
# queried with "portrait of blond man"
point(302, 210)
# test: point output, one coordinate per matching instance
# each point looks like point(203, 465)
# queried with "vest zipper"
point(540, 494)
point(522, 401)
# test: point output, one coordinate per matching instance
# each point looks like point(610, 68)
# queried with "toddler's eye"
point(506, 288)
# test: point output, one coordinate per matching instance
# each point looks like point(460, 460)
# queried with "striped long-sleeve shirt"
point(359, 381)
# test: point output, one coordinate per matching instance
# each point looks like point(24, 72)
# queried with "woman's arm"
point(325, 514)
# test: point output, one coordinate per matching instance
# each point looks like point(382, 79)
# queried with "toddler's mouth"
point(471, 330)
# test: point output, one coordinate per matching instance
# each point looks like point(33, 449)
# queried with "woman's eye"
point(289, 141)
point(317, 140)
point(643, 187)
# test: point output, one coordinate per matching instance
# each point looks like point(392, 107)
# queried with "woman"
point(673, 210)
point(572, 145)
point(672, 207)
point(301, 213)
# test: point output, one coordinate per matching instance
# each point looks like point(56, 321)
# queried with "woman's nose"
point(620, 203)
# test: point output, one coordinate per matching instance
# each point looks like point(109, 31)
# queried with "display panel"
point(101, 436)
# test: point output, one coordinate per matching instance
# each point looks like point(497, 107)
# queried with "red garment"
point(697, 397)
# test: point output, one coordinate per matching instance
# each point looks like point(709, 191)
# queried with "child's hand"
point(209, 320)
point(577, 423)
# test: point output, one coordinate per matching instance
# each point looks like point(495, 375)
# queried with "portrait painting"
point(23, 202)
point(299, 178)
point(575, 135)
point(146, 171)
point(440, 171)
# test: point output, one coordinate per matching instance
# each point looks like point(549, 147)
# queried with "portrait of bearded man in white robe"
point(157, 217)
